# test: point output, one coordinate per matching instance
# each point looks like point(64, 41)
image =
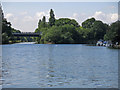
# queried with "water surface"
point(59, 65)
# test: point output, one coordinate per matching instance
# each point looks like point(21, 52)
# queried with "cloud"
point(28, 19)
point(39, 15)
point(79, 17)
point(98, 15)
point(11, 18)
point(75, 15)
point(26, 22)
point(107, 18)
point(114, 17)
point(9, 15)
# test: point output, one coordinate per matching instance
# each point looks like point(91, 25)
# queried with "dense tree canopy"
point(88, 23)
point(97, 29)
point(62, 34)
point(64, 21)
point(113, 33)
point(65, 30)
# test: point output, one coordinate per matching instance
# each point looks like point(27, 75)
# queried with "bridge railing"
point(26, 34)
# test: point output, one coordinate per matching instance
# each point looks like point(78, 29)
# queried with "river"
point(29, 65)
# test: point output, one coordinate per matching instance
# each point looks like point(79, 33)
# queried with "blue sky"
point(25, 15)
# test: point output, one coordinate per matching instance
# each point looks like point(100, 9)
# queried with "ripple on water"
point(64, 66)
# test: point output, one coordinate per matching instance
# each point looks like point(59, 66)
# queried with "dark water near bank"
point(61, 66)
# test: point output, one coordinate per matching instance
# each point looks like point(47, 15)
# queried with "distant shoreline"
point(114, 47)
point(111, 47)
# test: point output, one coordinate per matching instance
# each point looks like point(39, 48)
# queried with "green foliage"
point(85, 33)
point(95, 29)
point(5, 38)
point(99, 30)
point(39, 23)
point(113, 33)
point(52, 18)
point(64, 21)
point(43, 23)
point(6, 27)
point(6, 31)
point(65, 30)
point(62, 34)
point(88, 23)
point(15, 31)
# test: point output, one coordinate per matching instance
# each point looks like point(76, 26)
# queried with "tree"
point(62, 34)
point(6, 27)
point(5, 38)
point(52, 18)
point(39, 23)
point(64, 21)
point(113, 33)
point(97, 29)
point(43, 23)
point(65, 30)
point(88, 23)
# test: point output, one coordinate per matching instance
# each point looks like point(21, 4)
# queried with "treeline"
point(68, 31)
point(65, 31)
point(113, 32)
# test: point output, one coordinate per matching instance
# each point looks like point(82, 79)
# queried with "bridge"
point(26, 34)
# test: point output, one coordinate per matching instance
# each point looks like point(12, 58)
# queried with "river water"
point(29, 65)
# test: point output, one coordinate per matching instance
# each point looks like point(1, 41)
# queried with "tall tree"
point(39, 23)
point(43, 21)
point(52, 18)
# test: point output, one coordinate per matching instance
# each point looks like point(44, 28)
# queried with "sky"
point(24, 16)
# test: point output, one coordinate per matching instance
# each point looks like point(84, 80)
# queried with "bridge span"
point(27, 34)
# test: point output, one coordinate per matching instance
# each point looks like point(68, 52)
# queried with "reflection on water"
point(59, 66)
point(50, 76)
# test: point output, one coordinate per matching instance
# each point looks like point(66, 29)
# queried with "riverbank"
point(111, 47)
point(11, 42)
point(114, 47)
